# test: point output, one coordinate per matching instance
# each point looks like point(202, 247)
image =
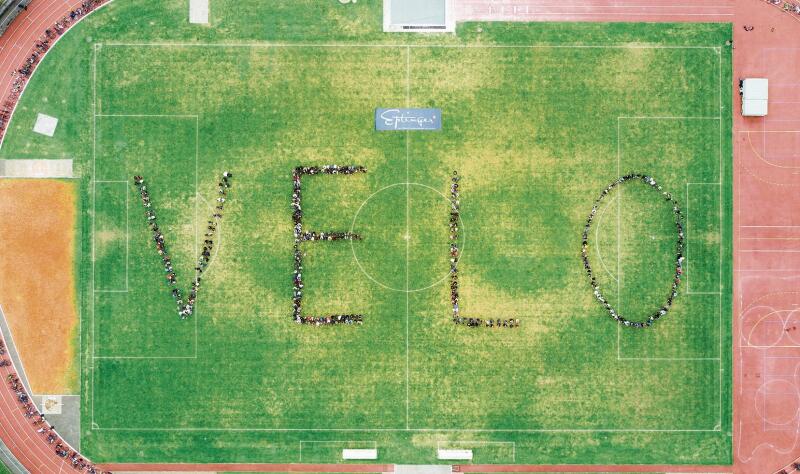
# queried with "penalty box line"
point(721, 246)
point(92, 354)
point(422, 430)
point(721, 225)
point(352, 441)
point(407, 47)
point(479, 443)
point(127, 228)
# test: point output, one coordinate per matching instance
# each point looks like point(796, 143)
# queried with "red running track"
point(16, 431)
point(596, 10)
point(766, 230)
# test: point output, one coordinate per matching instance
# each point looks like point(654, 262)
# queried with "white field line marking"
point(619, 239)
point(769, 238)
point(462, 234)
point(597, 238)
point(374, 444)
point(665, 117)
point(219, 236)
point(478, 443)
point(127, 236)
point(408, 239)
point(94, 213)
point(770, 270)
point(671, 359)
point(268, 45)
point(194, 116)
point(783, 323)
point(143, 357)
point(389, 45)
point(127, 227)
point(769, 251)
point(763, 155)
point(621, 14)
point(424, 430)
point(579, 5)
point(196, 314)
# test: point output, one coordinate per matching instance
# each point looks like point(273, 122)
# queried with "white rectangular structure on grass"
point(36, 169)
point(455, 454)
point(359, 454)
point(198, 11)
point(45, 125)
point(419, 16)
point(755, 95)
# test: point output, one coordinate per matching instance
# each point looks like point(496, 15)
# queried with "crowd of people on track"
point(794, 467)
point(455, 254)
point(662, 311)
point(185, 307)
point(787, 6)
point(42, 45)
point(48, 431)
point(302, 236)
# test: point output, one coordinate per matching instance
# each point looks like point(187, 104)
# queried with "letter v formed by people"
point(185, 307)
point(301, 235)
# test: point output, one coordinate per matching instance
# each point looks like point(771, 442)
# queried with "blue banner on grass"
point(408, 119)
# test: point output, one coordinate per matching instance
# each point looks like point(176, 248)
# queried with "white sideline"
point(408, 48)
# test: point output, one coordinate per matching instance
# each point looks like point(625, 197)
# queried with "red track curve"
point(769, 187)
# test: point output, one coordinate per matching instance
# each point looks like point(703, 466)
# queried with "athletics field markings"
point(407, 184)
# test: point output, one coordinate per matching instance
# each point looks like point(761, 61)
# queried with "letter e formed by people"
point(302, 235)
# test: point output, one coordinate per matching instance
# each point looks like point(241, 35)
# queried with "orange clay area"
point(37, 279)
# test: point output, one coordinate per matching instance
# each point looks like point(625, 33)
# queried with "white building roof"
point(755, 95)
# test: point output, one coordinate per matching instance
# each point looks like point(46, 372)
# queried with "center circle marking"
point(407, 237)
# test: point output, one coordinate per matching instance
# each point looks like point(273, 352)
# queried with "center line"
point(408, 228)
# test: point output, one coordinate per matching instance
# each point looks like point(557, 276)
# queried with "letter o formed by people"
point(679, 246)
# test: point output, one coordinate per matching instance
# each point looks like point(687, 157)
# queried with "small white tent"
point(755, 93)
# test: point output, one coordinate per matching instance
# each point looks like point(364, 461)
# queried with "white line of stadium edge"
point(396, 45)
point(408, 241)
point(428, 430)
point(523, 8)
point(469, 442)
point(267, 45)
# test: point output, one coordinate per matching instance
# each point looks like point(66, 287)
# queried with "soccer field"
point(537, 121)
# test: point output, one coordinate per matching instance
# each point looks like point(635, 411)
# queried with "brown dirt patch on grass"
point(37, 279)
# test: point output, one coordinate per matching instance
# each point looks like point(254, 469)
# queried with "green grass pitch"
point(538, 119)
